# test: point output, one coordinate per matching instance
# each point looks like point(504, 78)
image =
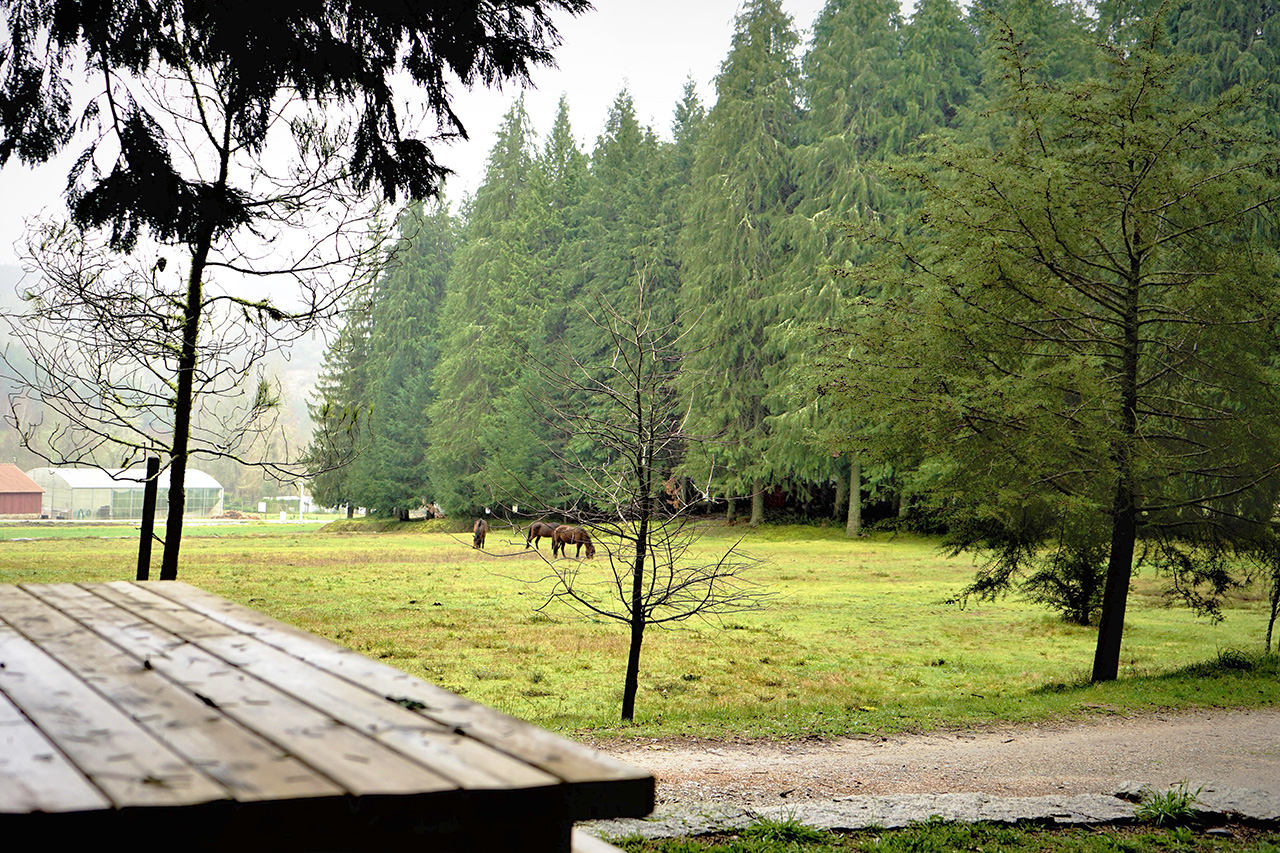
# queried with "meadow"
point(857, 637)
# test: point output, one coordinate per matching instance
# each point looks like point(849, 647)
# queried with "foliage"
point(783, 830)
point(177, 143)
point(1048, 350)
point(390, 477)
point(483, 440)
point(941, 837)
point(1175, 807)
point(743, 178)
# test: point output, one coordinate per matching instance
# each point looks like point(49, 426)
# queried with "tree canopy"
point(1076, 350)
point(187, 96)
point(942, 221)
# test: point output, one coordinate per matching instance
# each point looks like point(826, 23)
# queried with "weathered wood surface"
point(133, 699)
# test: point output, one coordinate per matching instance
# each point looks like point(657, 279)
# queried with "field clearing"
point(857, 638)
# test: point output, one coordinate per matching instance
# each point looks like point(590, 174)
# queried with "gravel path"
point(1231, 749)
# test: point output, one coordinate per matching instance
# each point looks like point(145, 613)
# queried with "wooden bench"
point(149, 711)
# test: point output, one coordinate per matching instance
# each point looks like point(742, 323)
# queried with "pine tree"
point(339, 409)
point(1079, 345)
point(485, 448)
point(734, 247)
point(391, 476)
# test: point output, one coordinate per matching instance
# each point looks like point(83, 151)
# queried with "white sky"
point(648, 46)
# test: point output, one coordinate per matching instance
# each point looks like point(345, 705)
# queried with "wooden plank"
point(34, 774)
point(469, 763)
point(359, 765)
point(583, 843)
point(128, 765)
point(604, 786)
point(249, 767)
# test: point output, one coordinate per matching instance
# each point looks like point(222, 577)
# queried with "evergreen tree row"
point(740, 223)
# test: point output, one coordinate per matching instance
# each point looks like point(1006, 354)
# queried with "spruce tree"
point(390, 476)
point(1080, 343)
point(485, 448)
point(734, 250)
point(339, 409)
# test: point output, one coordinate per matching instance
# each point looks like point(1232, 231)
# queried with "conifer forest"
point(748, 217)
point(1006, 271)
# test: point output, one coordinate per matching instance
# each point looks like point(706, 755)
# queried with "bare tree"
point(187, 142)
point(123, 356)
point(622, 408)
point(93, 350)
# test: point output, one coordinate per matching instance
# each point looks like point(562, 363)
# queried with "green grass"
point(938, 837)
point(858, 638)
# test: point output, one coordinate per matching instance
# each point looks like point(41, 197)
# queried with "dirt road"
point(1231, 749)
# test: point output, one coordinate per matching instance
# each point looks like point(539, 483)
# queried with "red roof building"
point(19, 494)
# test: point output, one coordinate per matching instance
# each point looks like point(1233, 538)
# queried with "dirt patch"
point(1237, 749)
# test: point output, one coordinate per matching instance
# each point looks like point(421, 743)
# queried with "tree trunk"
point(351, 510)
point(1115, 597)
point(632, 683)
point(1124, 511)
point(732, 512)
point(1275, 610)
point(183, 404)
point(842, 491)
point(757, 503)
point(853, 524)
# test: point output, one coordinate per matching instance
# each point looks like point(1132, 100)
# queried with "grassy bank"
point(937, 837)
point(858, 638)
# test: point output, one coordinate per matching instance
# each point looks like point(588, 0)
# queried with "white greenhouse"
point(80, 493)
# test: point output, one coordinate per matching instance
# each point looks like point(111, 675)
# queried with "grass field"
point(939, 837)
point(857, 638)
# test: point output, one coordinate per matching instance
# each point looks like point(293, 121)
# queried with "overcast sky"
point(649, 47)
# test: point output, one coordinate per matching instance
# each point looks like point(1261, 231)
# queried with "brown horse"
point(478, 533)
point(566, 535)
point(539, 530)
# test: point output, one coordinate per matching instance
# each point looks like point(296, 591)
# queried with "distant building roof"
point(124, 478)
point(13, 481)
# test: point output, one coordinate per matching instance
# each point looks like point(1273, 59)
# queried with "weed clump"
point(1175, 807)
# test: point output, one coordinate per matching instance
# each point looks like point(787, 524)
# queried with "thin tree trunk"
point(1124, 512)
point(184, 401)
point(757, 503)
point(1115, 597)
point(632, 684)
point(182, 406)
point(732, 512)
point(853, 523)
point(1275, 609)
point(149, 494)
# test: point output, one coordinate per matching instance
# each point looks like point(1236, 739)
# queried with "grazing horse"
point(539, 530)
point(566, 535)
point(478, 533)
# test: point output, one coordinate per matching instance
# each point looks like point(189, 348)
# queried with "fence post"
point(149, 493)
